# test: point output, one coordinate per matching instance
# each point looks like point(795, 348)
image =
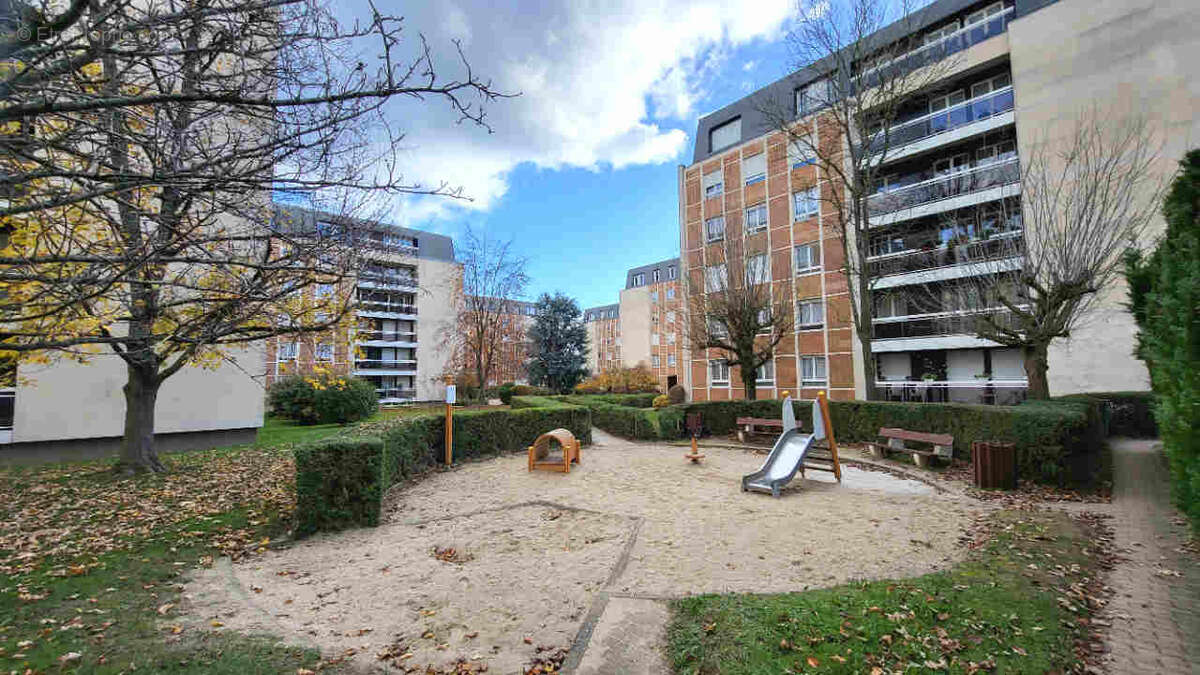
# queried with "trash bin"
point(994, 464)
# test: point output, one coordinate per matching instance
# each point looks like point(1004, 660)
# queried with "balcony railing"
point(985, 390)
point(960, 40)
point(8, 399)
point(941, 187)
point(383, 306)
point(1007, 245)
point(933, 325)
point(387, 336)
point(393, 394)
point(385, 364)
point(942, 121)
point(383, 279)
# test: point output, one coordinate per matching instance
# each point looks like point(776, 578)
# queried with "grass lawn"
point(1016, 605)
point(92, 561)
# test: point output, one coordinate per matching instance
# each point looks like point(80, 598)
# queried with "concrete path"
point(629, 639)
point(1155, 610)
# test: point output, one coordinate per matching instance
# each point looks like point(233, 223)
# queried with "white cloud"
point(749, 66)
point(602, 84)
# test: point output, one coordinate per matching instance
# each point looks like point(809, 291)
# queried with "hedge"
point(340, 482)
point(645, 424)
point(1057, 441)
point(1128, 413)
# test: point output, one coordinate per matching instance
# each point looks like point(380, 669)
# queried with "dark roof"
point(601, 312)
point(661, 265)
point(782, 91)
point(429, 246)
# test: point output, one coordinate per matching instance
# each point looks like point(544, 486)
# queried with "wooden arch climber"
point(540, 451)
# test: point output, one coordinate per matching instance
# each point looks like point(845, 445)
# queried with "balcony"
point(1000, 247)
point(370, 279)
point(930, 188)
point(981, 390)
point(939, 324)
point(386, 307)
point(385, 336)
point(394, 395)
point(900, 138)
point(961, 40)
point(407, 365)
point(8, 399)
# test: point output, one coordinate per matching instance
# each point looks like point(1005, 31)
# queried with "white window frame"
point(708, 229)
point(670, 338)
point(654, 276)
point(730, 131)
point(808, 371)
point(670, 360)
point(756, 218)
point(670, 293)
point(639, 279)
point(812, 322)
point(722, 367)
point(798, 156)
point(758, 375)
point(752, 162)
point(716, 278)
point(288, 351)
point(672, 272)
point(806, 203)
point(653, 296)
point(815, 257)
point(654, 339)
point(323, 352)
point(670, 316)
point(714, 184)
point(985, 13)
point(758, 269)
point(655, 361)
point(716, 328)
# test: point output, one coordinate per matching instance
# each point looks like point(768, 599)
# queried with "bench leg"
point(878, 452)
point(921, 460)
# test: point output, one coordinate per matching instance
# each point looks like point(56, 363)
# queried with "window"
point(810, 314)
point(806, 203)
point(670, 317)
point(808, 258)
point(766, 373)
point(714, 229)
point(756, 218)
point(996, 152)
point(653, 296)
point(754, 169)
point(985, 13)
point(811, 96)
point(758, 269)
point(725, 135)
point(764, 321)
point(671, 292)
point(718, 373)
point(716, 327)
point(812, 370)
point(655, 361)
point(715, 278)
point(670, 359)
point(324, 291)
point(288, 351)
point(989, 85)
point(324, 352)
point(887, 245)
point(654, 277)
point(654, 339)
point(890, 304)
point(670, 338)
point(714, 184)
point(943, 32)
point(672, 272)
point(799, 156)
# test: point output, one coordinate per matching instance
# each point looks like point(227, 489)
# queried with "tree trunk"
point(1037, 364)
point(750, 382)
point(137, 450)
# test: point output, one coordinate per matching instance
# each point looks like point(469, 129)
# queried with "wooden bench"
point(749, 427)
point(941, 445)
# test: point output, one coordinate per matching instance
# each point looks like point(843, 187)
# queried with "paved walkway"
point(1155, 610)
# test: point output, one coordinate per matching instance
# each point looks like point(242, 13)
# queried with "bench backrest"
point(918, 436)
point(759, 420)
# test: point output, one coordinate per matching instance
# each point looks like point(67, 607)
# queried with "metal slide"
point(787, 456)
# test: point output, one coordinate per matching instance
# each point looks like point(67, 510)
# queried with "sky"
point(580, 169)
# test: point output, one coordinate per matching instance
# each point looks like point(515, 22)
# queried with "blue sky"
point(580, 170)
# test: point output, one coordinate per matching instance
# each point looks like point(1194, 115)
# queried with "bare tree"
point(1043, 262)
point(733, 308)
point(488, 318)
point(143, 144)
point(859, 78)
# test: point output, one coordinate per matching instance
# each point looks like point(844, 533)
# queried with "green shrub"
point(323, 399)
point(339, 484)
point(1057, 441)
point(528, 390)
point(630, 415)
point(505, 392)
point(661, 401)
point(1128, 413)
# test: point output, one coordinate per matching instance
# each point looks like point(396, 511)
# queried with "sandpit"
point(524, 555)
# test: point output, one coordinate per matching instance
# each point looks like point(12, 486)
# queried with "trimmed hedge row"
point(340, 481)
point(1128, 413)
point(627, 421)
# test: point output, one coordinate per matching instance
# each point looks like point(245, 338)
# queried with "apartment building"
point(652, 320)
point(403, 305)
point(603, 337)
point(1016, 75)
point(509, 361)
